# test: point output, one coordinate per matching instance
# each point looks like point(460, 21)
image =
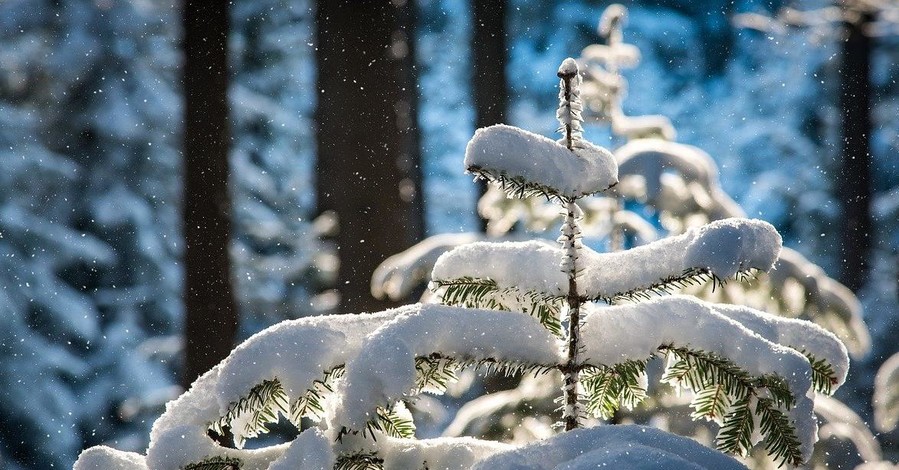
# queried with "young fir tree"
point(521, 307)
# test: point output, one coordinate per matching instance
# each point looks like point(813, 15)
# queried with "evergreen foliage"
point(216, 463)
point(360, 461)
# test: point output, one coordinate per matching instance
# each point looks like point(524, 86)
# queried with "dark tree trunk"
point(368, 168)
point(491, 96)
point(210, 309)
point(854, 185)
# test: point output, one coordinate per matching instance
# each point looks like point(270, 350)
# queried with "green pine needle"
point(710, 403)
point(606, 389)
point(823, 375)
point(392, 423)
point(735, 435)
point(360, 461)
point(517, 187)
point(780, 434)
point(215, 463)
point(263, 404)
point(309, 404)
point(472, 292)
point(267, 400)
point(778, 390)
point(433, 374)
point(721, 385)
point(690, 277)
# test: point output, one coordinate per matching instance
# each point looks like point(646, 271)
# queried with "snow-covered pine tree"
point(521, 307)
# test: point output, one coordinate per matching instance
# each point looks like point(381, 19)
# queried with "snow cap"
point(508, 155)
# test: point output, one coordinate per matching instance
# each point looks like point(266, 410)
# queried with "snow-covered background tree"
point(89, 212)
point(523, 307)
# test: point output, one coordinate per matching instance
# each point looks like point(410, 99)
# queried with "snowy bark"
point(570, 239)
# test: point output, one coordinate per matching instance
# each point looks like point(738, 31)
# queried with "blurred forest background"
point(188, 170)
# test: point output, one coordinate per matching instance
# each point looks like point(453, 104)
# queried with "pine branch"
point(216, 463)
point(310, 403)
point(266, 401)
point(263, 404)
point(485, 294)
point(517, 187)
point(706, 374)
point(607, 388)
point(778, 390)
point(601, 389)
point(507, 368)
point(392, 423)
point(360, 461)
point(823, 375)
point(698, 370)
point(780, 434)
point(434, 374)
point(735, 435)
point(710, 403)
point(690, 277)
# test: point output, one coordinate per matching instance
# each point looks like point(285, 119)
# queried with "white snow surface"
point(724, 247)
point(384, 370)
point(568, 67)
point(511, 152)
point(633, 332)
point(311, 450)
point(107, 458)
point(797, 334)
point(615, 446)
point(445, 453)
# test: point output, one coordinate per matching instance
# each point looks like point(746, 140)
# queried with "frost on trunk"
point(521, 307)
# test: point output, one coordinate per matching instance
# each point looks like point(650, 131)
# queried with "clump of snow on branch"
point(686, 321)
point(295, 352)
point(621, 446)
point(570, 107)
point(107, 458)
point(506, 152)
point(442, 453)
point(384, 370)
point(800, 335)
point(310, 450)
point(723, 248)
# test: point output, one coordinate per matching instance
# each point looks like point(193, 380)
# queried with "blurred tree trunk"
point(368, 168)
point(491, 96)
point(211, 313)
point(854, 186)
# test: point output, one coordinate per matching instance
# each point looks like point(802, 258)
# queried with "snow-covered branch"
point(297, 353)
point(721, 249)
point(726, 332)
point(526, 164)
point(385, 371)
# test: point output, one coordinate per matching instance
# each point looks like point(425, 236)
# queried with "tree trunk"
point(854, 186)
point(491, 96)
point(210, 309)
point(368, 168)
